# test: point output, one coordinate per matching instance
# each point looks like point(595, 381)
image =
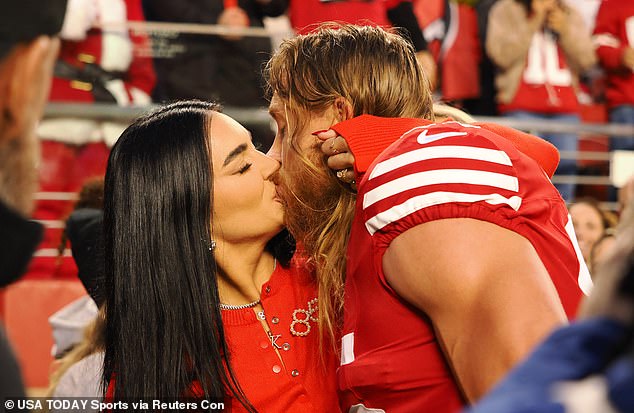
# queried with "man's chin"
point(308, 200)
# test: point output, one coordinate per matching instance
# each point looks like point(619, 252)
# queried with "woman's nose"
point(270, 165)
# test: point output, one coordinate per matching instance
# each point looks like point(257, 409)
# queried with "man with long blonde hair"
point(455, 251)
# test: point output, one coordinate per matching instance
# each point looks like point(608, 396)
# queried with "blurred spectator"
point(600, 252)
point(27, 55)
point(83, 230)
point(540, 47)
point(592, 81)
point(90, 197)
point(590, 223)
point(450, 28)
point(306, 15)
point(78, 328)
point(614, 40)
point(26, 64)
point(625, 194)
point(100, 61)
point(224, 69)
point(485, 104)
point(79, 372)
point(587, 9)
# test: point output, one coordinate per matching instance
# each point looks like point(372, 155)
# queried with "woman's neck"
point(241, 273)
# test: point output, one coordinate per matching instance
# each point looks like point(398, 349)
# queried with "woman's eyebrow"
point(234, 153)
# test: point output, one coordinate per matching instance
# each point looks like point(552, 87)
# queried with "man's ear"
point(343, 109)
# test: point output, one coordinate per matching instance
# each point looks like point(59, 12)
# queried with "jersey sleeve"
point(437, 172)
point(541, 151)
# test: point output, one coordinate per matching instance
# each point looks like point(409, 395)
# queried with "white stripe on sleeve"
point(437, 152)
point(417, 203)
point(441, 176)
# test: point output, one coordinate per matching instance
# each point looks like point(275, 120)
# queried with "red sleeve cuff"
point(368, 136)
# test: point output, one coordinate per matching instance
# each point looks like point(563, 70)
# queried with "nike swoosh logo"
point(424, 138)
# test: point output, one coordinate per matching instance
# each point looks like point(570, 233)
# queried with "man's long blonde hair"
point(377, 73)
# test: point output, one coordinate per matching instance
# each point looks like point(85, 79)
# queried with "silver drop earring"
point(211, 246)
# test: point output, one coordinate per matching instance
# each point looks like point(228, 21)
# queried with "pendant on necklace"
point(274, 339)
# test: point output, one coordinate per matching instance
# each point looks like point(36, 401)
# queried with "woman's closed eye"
point(244, 168)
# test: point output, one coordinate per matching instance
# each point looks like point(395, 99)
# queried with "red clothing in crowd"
point(613, 33)
point(305, 13)
point(114, 53)
point(537, 69)
point(451, 30)
point(391, 358)
point(547, 84)
point(300, 379)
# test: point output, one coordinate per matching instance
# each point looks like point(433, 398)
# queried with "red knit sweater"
point(300, 379)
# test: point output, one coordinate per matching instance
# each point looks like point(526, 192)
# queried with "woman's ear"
point(343, 109)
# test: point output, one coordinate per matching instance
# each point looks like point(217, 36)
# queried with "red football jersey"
point(390, 357)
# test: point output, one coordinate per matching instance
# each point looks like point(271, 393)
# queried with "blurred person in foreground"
point(27, 55)
point(457, 252)
point(586, 367)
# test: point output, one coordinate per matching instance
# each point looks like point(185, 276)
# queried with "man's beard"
point(310, 197)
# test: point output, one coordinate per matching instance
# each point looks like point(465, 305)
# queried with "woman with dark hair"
point(203, 298)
